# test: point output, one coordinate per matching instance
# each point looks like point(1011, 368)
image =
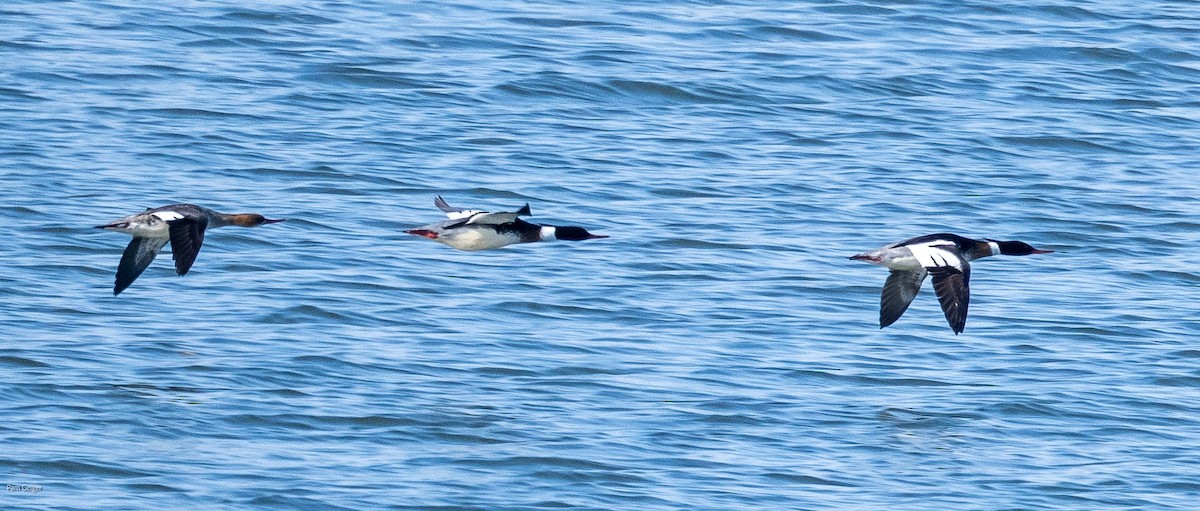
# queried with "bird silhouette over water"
point(182, 225)
point(946, 257)
point(469, 229)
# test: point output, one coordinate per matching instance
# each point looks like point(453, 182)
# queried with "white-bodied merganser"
point(469, 229)
point(181, 224)
point(946, 256)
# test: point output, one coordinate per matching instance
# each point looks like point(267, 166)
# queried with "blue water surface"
point(718, 351)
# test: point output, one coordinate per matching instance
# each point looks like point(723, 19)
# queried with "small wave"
point(1063, 143)
point(557, 22)
point(21, 362)
point(798, 34)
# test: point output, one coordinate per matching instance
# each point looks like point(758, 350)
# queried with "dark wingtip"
point(596, 236)
point(1041, 251)
point(525, 211)
point(273, 221)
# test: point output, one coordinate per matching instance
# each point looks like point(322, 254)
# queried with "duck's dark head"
point(1018, 248)
point(572, 233)
point(252, 220)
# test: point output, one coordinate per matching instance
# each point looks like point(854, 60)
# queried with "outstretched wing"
point(454, 213)
point(952, 286)
point(951, 275)
point(898, 293)
point(499, 218)
point(187, 236)
point(137, 257)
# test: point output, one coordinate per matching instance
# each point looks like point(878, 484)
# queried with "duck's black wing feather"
point(442, 205)
point(962, 242)
point(505, 217)
point(898, 293)
point(137, 257)
point(953, 291)
point(187, 235)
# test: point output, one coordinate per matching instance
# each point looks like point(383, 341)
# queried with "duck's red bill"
point(422, 232)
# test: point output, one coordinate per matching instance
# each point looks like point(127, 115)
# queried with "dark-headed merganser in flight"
point(469, 229)
point(946, 256)
point(181, 224)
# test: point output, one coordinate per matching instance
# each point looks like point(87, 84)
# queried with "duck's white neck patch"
point(995, 247)
point(547, 233)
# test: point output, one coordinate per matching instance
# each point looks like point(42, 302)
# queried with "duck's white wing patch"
point(460, 214)
point(937, 255)
point(500, 218)
point(167, 216)
point(466, 213)
point(493, 218)
point(452, 212)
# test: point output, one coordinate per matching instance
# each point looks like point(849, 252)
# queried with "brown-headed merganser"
point(946, 256)
point(181, 224)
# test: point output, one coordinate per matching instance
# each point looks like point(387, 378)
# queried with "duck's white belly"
point(477, 239)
